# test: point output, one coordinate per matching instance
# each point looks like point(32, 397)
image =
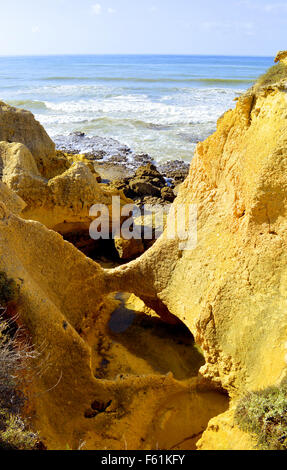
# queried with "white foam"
point(165, 125)
point(201, 106)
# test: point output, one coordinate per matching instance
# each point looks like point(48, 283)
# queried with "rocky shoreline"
point(118, 164)
point(135, 176)
point(167, 351)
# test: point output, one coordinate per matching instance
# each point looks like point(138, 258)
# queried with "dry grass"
point(14, 358)
point(264, 415)
point(272, 77)
point(15, 355)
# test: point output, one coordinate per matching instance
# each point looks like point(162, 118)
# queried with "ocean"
point(159, 105)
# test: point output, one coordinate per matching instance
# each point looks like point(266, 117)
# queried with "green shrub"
point(14, 356)
point(264, 414)
point(273, 76)
point(9, 291)
point(14, 434)
point(13, 362)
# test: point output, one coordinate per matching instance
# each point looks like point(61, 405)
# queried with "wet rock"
point(95, 148)
point(146, 186)
point(147, 181)
point(112, 172)
point(142, 187)
point(142, 159)
point(150, 172)
point(167, 194)
point(114, 160)
point(176, 170)
point(123, 185)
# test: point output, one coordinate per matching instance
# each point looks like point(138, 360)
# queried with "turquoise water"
point(161, 105)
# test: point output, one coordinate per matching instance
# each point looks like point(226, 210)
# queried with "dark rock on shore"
point(135, 174)
point(146, 182)
point(175, 170)
point(142, 187)
point(95, 147)
point(101, 149)
point(167, 194)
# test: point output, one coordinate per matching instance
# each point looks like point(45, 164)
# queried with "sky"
point(220, 27)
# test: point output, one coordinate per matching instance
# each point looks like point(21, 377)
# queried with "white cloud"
point(36, 29)
point(111, 11)
point(97, 9)
point(153, 9)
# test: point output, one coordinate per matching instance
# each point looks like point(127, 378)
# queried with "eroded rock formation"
point(96, 384)
point(112, 376)
point(18, 125)
point(281, 57)
point(61, 203)
point(231, 290)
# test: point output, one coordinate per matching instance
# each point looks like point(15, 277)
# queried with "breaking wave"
point(211, 81)
point(28, 104)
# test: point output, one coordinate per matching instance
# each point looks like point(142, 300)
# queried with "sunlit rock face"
point(62, 202)
point(120, 374)
point(231, 290)
point(106, 374)
point(18, 125)
point(281, 57)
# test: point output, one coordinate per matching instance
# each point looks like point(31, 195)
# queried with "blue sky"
point(228, 27)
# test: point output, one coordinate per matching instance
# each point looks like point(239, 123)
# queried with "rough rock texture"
point(114, 389)
point(74, 158)
point(98, 384)
point(128, 249)
point(167, 194)
point(231, 291)
point(61, 203)
point(146, 182)
point(231, 282)
point(58, 189)
point(223, 434)
point(281, 57)
point(13, 202)
point(176, 170)
point(18, 125)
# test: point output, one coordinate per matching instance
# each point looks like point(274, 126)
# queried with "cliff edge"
point(230, 292)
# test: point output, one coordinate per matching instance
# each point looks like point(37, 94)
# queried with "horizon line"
point(135, 55)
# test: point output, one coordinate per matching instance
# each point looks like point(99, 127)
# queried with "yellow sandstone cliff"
point(105, 389)
point(18, 125)
point(231, 290)
point(93, 386)
point(57, 191)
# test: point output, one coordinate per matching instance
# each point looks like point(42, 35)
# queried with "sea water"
point(160, 105)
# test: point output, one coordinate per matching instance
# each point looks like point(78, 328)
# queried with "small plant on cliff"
point(264, 414)
point(9, 290)
point(273, 76)
point(14, 355)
